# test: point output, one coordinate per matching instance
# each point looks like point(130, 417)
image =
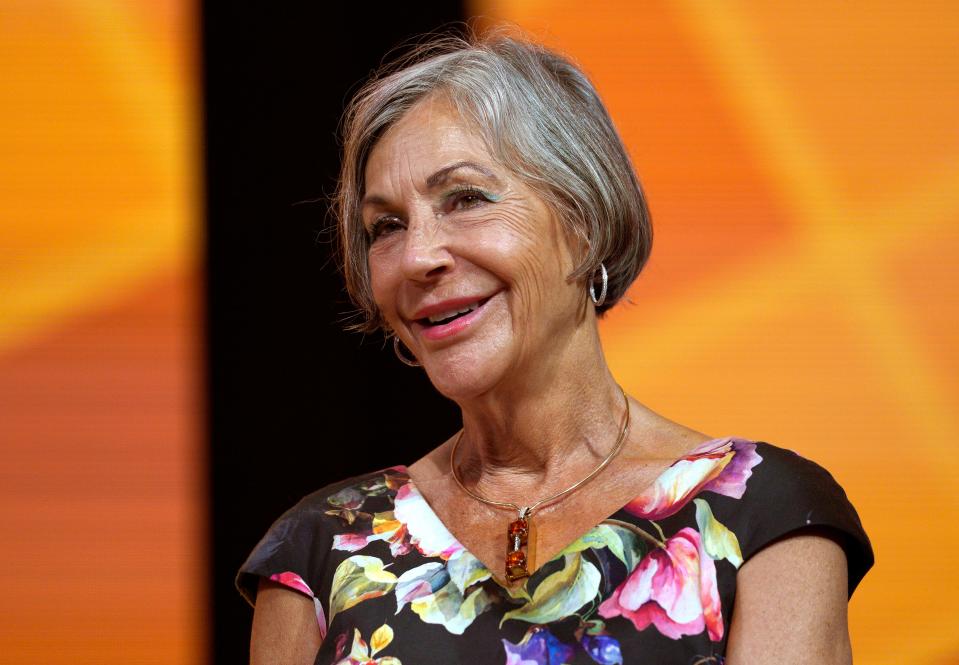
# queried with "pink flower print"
point(722, 466)
point(673, 588)
point(384, 527)
point(294, 581)
point(352, 542)
point(425, 529)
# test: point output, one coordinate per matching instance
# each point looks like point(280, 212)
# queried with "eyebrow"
point(444, 173)
point(439, 178)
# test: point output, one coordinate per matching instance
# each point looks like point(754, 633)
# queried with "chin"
point(462, 375)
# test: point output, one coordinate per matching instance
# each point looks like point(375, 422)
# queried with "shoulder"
point(793, 471)
point(346, 495)
point(342, 499)
point(788, 494)
point(294, 549)
point(785, 482)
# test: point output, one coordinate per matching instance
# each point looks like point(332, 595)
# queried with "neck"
point(553, 426)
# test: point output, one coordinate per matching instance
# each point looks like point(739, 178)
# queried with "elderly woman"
point(489, 215)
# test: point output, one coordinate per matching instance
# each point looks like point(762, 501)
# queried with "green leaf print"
point(448, 608)
point(621, 542)
point(357, 579)
point(718, 541)
point(560, 594)
point(466, 570)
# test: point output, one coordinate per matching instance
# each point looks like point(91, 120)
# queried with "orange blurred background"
point(802, 164)
point(101, 499)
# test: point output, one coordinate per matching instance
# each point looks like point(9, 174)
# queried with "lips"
point(449, 317)
point(448, 308)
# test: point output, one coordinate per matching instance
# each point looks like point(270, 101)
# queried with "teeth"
point(442, 316)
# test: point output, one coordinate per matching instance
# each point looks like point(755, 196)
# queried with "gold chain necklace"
point(518, 531)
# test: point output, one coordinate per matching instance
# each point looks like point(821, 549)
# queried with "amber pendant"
point(517, 536)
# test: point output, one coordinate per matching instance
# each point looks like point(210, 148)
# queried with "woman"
point(489, 215)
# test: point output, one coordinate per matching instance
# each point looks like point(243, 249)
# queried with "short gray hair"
point(540, 117)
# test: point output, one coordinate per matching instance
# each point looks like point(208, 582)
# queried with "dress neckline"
point(715, 443)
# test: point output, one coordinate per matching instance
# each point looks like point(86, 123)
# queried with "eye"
point(384, 226)
point(466, 198)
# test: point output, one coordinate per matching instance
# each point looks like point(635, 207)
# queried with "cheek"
point(524, 255)
point(529, 246)
point(382, 282)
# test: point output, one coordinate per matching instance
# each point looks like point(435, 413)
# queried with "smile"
point(448, 318)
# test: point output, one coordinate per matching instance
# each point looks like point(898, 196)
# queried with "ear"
point(579, 250)
point(578, 241)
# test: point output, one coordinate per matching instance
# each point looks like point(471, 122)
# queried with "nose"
point(426, 254)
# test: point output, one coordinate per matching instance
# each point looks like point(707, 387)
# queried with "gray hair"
point(540, 117)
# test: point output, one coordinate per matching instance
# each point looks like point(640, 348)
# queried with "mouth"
point(446, 319)
point(442, 318)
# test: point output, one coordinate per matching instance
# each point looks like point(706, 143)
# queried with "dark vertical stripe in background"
point(295, 401)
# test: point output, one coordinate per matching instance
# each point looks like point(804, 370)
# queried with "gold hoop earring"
point(399, 354)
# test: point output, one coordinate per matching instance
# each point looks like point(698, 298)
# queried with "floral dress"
point(653, 583)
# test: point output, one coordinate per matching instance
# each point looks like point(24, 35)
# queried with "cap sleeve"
point(789, 493)
point(292, 553)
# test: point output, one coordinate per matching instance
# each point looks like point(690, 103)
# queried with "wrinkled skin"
point(497, 238)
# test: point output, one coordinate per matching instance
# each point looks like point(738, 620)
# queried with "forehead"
point(428, 137)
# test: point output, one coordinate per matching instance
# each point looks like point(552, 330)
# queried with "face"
point(468, 266)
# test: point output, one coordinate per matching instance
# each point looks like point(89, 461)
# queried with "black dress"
point(653, 583)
